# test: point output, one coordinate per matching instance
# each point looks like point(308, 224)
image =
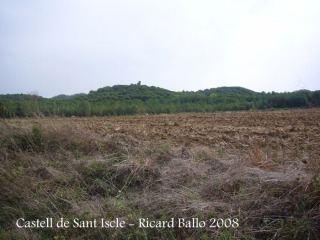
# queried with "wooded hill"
point(139, 99)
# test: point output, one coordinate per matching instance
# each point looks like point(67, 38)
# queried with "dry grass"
point(68, 168)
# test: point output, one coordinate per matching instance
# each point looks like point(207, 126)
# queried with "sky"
point(73, 46)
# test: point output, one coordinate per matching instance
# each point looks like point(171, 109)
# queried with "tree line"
point(140, 99)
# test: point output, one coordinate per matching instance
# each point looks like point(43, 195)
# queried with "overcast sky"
point(72, 46)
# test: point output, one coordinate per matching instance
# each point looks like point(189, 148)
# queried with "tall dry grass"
point(54, 169)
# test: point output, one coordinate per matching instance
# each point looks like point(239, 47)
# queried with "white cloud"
point(191, 45)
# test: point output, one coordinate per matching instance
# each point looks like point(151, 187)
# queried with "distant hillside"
point(63, 96)
point(228, 90)
point(139, 99)
point(20, 97)
point(129, 93)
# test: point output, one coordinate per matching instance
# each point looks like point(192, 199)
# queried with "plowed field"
point(259, 169)
point(277, 136)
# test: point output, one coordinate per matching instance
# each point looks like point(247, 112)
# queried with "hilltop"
point(138, 99)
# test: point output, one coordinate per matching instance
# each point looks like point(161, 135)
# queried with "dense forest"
point(140, 99)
